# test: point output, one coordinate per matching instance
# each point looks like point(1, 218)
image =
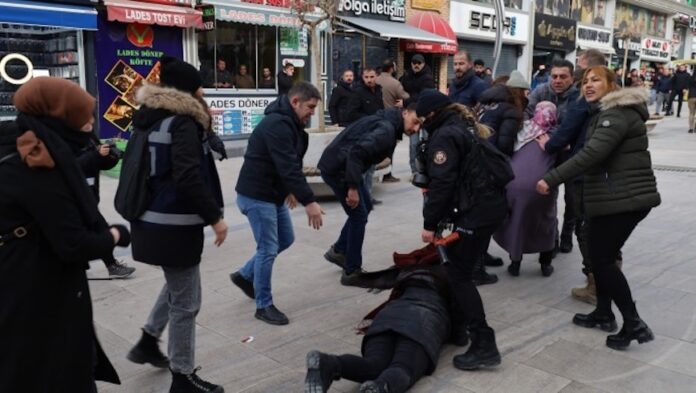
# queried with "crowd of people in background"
point(578, 125)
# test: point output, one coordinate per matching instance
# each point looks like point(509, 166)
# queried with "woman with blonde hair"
point(619, 191)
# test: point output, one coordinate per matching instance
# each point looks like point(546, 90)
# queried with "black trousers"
point(463, 254)
point(606, 236)
point(679, 94)
point(388, 358)
point(581, 226)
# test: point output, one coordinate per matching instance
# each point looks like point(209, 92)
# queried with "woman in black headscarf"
point(50, 228)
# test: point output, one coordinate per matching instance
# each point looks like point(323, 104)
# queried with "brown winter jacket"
point(615, 159)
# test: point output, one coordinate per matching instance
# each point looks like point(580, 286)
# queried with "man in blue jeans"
point(270, 178)
point(343, 164)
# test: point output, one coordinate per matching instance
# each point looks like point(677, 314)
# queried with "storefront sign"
point(434, 5)
point(127, 56)
point(481, 22)
point(127, 14)
point(652, 49)
point(257, 16)
point(183, 3)
point(237, 115)
point(692, 23)
point(593, 37)
point(426, 47)
point(293, 42)
point(272, 3)
point(390, 9)
point(208, 12)
point(555, 33)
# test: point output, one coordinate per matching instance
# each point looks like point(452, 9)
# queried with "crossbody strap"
point(8, 157)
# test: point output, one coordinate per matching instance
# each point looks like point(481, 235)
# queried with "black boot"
point(192, 383)
point(480, 276)
point(633, 328)
point(147, 351)
point(514, 268)
point(545, 259)
point(490, 260)
point(392, 380)
point(373, 387)
point(566, 244)
point(322, 370)
point(601, 317)
point(483, 351)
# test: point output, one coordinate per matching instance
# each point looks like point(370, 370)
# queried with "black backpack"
point(132, 195)
point(485, 172)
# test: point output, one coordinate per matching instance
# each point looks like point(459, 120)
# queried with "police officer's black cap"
point(431, 100)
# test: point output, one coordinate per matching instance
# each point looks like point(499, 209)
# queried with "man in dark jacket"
point(480, 69)
point(340, 97)
point(466, 87)
point(343, 164)
point(414, 81)
point(285, 81)
point(271, 176)
point(559, 90)
point(186, 197)
point(680, 83)
point(367, 97)
point(663, 88)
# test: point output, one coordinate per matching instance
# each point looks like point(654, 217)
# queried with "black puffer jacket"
point(680, 81)
point(449, 143)
point(285, 83)
point(90, 161)
point(272, 166)
point(338, 105)
point(415, 83)
point(364, 102)
point(502, 116)
point(364, 143)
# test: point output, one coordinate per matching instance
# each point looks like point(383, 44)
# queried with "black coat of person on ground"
point(396, 351)
point(501, 115)
point(51, 228)
point(340, 99)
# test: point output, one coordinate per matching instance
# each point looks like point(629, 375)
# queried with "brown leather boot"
point(587, 294)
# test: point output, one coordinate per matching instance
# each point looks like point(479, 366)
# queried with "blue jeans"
point(178, 304)
point(273, 233)
point(350, 241)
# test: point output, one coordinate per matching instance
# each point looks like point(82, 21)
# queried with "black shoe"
point(336, 258)
point(245, 285)
point(483, 351)
point(147, 351)
point(322, 370)
point(389, 178)
point(633, 328)
point(482, 277)
point(352, 279)
point(514, 268)
point(490, 260)
point(192, 383)
point(271, 315)
point(372, 387)
point(602, 320)
point(566, 244)
point(546, 270)
point(691, 130)
point(375, 202)
point(119, 270)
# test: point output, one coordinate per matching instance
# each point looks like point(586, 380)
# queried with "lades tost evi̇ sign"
point(556, 33)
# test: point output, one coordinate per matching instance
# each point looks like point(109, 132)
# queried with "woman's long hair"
point(482, 130)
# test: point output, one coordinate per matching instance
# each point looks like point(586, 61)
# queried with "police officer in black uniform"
point(449, 141)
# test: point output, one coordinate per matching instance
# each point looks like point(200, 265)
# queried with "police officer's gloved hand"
point(124, 235)
point(217, 146)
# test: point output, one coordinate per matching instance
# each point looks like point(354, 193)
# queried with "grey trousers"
point(662, 99)
point(178, 304)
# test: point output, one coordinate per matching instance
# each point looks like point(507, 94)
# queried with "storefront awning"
point(389, 30)
point(49, 15)
point(127, 11)
point(435, 24)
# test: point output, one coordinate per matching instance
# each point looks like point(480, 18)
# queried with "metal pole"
point(499, 22)
point(627, 39)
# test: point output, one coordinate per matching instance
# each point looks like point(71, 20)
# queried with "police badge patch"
point(440, 157)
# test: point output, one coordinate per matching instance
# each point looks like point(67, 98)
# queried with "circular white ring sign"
point(20, 57)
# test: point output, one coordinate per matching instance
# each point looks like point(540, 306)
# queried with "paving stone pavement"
point(542, 350)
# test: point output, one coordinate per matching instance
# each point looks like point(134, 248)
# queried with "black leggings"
point(606, 236)
point(387, 358)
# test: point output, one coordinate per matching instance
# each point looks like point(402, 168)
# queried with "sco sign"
point(23, 59)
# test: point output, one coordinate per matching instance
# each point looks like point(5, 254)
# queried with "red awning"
point(432, 23)
point(127, 11)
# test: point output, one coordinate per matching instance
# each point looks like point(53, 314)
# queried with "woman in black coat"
point(502, 115)
point(396, 351)
point(50, 229)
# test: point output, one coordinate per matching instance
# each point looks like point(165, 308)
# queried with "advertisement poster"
point(639, 21)
point(237, 115)
point(127, 56)
point(293, 42)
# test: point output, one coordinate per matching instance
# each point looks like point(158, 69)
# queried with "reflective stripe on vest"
point(161, 136)
point(171, 219)
point(91, 181)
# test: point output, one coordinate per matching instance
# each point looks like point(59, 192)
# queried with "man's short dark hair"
point(412, 106)
point(562, 63)
point(479, 62)
point(368, 69)
point(288, 65)
point(594, 57)
point(305, 91)
point(388, 65)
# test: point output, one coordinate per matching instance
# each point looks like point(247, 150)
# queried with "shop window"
point(48, 50)
point(237, 55)
point(639, 21)
point(590, 11)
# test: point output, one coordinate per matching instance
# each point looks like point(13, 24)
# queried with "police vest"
point(166, 207)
